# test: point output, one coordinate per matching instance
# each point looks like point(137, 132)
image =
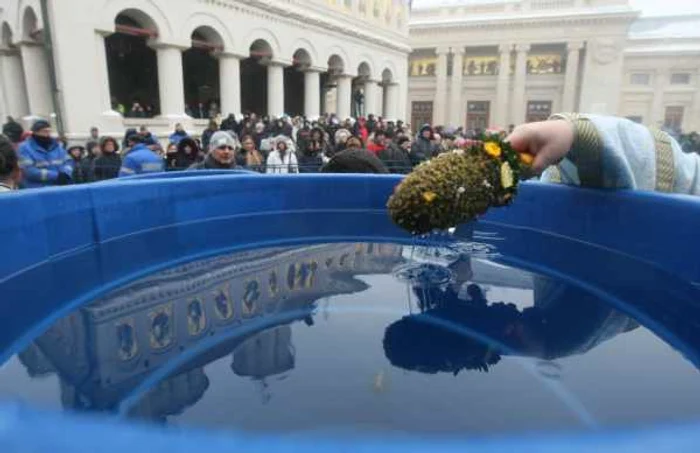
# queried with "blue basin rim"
point(64, 246)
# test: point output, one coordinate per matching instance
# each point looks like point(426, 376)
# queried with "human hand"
point(548, 141)
point(63, 179)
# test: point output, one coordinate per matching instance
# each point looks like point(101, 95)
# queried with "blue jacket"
point(175, 137)
point(40, 166)
point(141, 160)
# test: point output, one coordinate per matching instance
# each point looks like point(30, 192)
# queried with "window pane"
point(538, 111)
point(680, 78)
point(639, 78)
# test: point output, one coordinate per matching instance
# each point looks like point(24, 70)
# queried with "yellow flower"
point(429, 196)
point(526, 158)
point(492, 149)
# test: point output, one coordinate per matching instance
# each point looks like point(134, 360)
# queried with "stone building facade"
point(331, 48)
point(594, 56)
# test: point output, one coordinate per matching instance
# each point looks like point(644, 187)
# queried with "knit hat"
point(39, 125)
point(223, 138)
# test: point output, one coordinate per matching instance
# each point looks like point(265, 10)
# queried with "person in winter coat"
point(187, 155)
point(228, 124)
point(81, 171)
point(282, 159)
point(107, 165)
point(361, 129)
point(423, 148)
point(222, 153)
point(396, 156)
point(378, 142)
point(148, 139)
point(10, 173)
point(178, 135)
point(43, 160)
point(317, 135)
point(208, 132)
point(311, 159)
point(353, 143)
point(13, 130)
point(139, 159)
point(249, 157)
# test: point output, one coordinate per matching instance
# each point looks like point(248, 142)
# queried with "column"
point(312, 93)
point(344, 96)
point(13, 84)
point(440, 104)
point(518, 104)
point(391, 91)
point(230, 84)
point(500, 118)
point(657, 105)
point(456, 106)
point(694, 120)
point(171, 85)
point(275, 89)
point(371, 97)
point(36, 77)
point(571, 76)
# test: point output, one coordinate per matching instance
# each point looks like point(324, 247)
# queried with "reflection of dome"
point(35, 362)
point(172, 396)
point(266, 353)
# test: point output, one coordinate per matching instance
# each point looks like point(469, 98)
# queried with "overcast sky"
point(649, 7)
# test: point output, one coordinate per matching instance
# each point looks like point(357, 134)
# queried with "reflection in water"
point(242, 329)
point(105, 350)
point(461, 331)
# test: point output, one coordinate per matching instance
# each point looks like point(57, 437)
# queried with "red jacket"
point(375, 147)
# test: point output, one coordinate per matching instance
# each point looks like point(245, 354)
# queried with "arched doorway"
point(201, 73)
point(133, 66)
point(36, 66)
point(360, 93)
point(254, 78)
point(14, 89)
point(294, 87)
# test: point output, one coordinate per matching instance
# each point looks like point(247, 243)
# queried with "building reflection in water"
point(103, 351)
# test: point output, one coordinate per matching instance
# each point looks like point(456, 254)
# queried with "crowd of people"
point(256, 143)
point(35, 158)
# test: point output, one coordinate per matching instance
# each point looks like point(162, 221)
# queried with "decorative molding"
point(514, 22)
point(299, 16)
point(522, 48)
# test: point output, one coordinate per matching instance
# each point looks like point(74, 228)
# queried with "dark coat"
point(309, 163)
point(106, 166)
point(181, 160)
point(209, 163)
point(423, 149)
point(396, 159)
point(206, 137)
